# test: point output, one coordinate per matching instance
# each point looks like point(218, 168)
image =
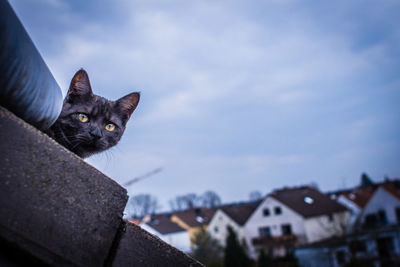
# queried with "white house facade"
point(168, 231)
point(218, 227)
point(235, 216)
point(382, 209)
point(272, 218)
point(325, 226)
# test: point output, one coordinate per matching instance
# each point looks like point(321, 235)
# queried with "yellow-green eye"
point(110, 127)
point(83, 117)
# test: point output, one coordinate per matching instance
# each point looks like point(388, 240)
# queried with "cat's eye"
point(83, 117)
point(110, 127)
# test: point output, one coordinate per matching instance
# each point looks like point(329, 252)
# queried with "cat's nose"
point(96, 132)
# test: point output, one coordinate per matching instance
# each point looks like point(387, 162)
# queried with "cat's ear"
point(128, 103)
point(80, 85)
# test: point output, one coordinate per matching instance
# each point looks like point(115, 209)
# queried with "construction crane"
point(144, 176)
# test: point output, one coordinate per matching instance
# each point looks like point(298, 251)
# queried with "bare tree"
point(210, 199)
point(142, 204)
point(255, 195)
point(184, 202)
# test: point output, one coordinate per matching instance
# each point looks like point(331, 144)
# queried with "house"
point(170, 232)
point(374, 237)
point(234, 215)
point(193, 220)
point(370, 247)
point(372, 205)
point(355, 200)
point(292, 216)
point(383, 208)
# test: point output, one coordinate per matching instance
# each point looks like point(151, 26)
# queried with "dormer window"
point(266, 212)
point(278, 210)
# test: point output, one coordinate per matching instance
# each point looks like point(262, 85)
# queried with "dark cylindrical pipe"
point(27, 87)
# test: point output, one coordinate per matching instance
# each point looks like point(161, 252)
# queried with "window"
point(371, 220)
point(286, 229)
point(278, 210)
point(264, 231)
point(330, 217)
point(266, 212)
point(385, 246)
point(357, 246)
point(216, 229)
point(340, 257)
point(199, 219)
point(382, 217)
point(397, 211)
point(308, 200)
point(375, 219)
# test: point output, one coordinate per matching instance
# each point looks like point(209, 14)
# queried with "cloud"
point(260, 95)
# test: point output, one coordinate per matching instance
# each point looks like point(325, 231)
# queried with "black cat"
point(88, 123)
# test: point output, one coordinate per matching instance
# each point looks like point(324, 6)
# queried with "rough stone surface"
point(139, 248)
point(53, 205)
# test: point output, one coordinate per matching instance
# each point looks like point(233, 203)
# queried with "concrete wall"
point(139, 248)
point(60, 211)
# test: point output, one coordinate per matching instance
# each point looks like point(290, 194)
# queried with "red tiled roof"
point(134, 221)
point(307, 201)
point(392, 190)
point(360, 196)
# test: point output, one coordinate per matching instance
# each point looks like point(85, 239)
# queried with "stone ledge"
point(53, 205)
point(57, 210)
point(139, 248)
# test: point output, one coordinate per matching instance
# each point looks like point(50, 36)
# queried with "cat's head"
point(88, 123)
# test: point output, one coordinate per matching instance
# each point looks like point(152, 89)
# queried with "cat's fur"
point(88, 138)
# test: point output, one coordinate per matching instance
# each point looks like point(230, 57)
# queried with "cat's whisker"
point(107, 154)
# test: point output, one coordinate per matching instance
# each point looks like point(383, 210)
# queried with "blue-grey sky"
point(236, 95)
